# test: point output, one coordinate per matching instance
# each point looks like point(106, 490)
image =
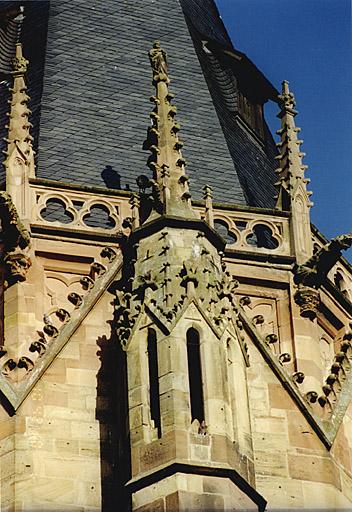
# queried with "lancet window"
point(154, 380)
point(195, 375)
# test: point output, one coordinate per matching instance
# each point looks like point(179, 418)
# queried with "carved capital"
point(308, 299)
point(17, 264)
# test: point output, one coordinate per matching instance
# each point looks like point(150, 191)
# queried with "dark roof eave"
point(245, 70)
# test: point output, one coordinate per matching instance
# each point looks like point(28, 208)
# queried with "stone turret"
point(177, 319)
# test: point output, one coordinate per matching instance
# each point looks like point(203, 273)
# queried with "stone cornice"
point(179, 466)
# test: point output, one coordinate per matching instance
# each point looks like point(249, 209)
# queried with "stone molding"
point(179, 466)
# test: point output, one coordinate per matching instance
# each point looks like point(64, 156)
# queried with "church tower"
point(171, 340)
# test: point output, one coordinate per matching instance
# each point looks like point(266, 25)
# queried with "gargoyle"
point(313, 272)
point(15, 234)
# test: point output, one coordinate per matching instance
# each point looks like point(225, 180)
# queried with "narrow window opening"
point(338, 280)
point(154, 380)
point(195, 376)
point(340, 283)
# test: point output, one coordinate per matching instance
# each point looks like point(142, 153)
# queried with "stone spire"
point(19, 162)
point(170, 182)
point(292, 184)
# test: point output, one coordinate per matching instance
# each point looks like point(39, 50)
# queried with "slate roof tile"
point(90, 82)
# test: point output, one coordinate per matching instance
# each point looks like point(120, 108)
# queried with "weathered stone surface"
point(318, 469)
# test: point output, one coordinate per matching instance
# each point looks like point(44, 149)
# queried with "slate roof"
point(90, 81)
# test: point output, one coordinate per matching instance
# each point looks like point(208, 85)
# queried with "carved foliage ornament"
point(286, 98)
point(127, 310)
point(308, 300)
point(171, 288)
point(19, 65)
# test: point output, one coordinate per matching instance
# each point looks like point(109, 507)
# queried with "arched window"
point(154, 380)
point(195, 375)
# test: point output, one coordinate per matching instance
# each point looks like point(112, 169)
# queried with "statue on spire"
point(169, 183)
point(158, 61)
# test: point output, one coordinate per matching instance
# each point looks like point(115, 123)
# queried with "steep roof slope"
point(90, 81)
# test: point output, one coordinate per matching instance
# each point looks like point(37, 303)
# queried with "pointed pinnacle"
point(163, 140)
point(18, 127)
point(290, 156)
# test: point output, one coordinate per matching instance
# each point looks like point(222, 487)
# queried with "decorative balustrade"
point(253, 230)
point(93, 211)
point(101, 212)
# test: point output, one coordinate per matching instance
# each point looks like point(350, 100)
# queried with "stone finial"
point(292, 184)
point(19, 162)
point(287, 98)
point(135, 203)
point(19, 63)
point(166, 160)
point(208, 198)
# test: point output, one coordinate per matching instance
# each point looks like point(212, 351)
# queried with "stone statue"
point(158, 62)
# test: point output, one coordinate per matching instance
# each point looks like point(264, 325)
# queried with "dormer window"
point(252, 113)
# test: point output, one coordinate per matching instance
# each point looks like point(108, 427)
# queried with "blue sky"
point(308, 43)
